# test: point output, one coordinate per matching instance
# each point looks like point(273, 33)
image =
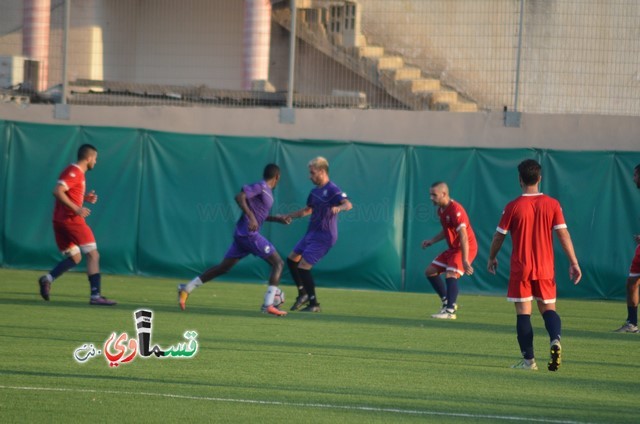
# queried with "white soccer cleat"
point(445, 314)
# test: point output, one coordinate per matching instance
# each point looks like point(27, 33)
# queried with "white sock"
point(49, 278)
point(196, 282)
point(269, 295)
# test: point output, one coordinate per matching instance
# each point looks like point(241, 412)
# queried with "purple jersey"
point(321, 200)
point(260, 200)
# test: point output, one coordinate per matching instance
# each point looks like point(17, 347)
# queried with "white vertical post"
point(517, 88)
point(35, 37)
point(257, 40)
point(292, 54)
point(65, 51)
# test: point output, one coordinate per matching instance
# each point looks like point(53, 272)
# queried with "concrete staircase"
point(402, 81)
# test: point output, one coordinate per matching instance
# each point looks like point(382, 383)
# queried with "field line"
point(302, 405)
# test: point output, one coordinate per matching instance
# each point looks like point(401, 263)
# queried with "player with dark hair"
point(255, 200)
point(633, 281)
point(456, 260)
point(531, 219)
point(324, 203)
point(73, 235)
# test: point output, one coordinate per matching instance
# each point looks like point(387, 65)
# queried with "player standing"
point(456, 260)
point(73, 235)
point(255, 200)
point(324, 203)
point(633, 281)
point(531, 219)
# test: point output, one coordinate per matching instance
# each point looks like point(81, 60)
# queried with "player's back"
point(534, 217)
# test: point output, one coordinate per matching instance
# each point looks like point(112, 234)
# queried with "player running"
point(255, 200)
point(73, 235)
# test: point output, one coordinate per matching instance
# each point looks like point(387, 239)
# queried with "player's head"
point(318, 170)
point(89, 154)
point(530, 172)
point(439, 193)
point(271, 173)
point(636, 175)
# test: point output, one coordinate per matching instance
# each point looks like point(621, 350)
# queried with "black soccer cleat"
point(555, 359)
point(312, 308)
point(300, 302)
point(45, 287)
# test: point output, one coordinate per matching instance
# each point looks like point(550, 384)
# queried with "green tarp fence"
point(166, 204)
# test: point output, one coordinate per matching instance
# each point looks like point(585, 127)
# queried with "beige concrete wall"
point(484, 129)
point(577, 56)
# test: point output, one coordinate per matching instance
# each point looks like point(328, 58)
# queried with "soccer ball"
point(278, 299)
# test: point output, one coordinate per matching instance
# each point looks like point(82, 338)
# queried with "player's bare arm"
point(282, 219)
point(434, 240)
point(241, 200)
point(60, 193)
point(464, 248)
point(496, 244)
point(345, 205)
point(575, 274)
point(300, 213)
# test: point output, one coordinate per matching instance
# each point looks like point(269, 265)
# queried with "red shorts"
point(74, 237)
point(525, 291)
point(634, 271)
point(451, 260)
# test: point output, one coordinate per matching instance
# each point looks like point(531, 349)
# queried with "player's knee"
point(278, 265)
point(93, 255)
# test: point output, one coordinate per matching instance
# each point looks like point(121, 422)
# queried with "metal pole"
point(65, 50)
point(515, 101)
point(292, 54)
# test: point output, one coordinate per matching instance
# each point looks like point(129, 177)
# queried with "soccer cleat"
point(444, 307)
point(524, 364)
point(102, 301)
point(45, 287)
point(555, 359)
point(300, 301)
point(445, 314)
point(182, 296)
point(273, 311)
point(311, 308)
point(626, 328)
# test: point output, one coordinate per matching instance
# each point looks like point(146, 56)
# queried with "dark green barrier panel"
point(187, 205)
point(117, 182)
point(5, 134)
point(37, 155)
point(599, 202)
point(166, 204)
point(368, 251)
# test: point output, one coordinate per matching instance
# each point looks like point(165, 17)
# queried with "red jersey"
point(453, 217)
point(72, 178)
point(531, 218)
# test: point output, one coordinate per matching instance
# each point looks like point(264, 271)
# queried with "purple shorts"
point(255, 244)
point(314, 246)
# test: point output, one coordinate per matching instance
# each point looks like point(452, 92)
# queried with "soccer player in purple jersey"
point(323, 204)
point(255, 200)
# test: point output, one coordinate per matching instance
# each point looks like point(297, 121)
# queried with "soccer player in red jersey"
point(532, 218)
point(73, 235)
point(456, 260)
point(633, 281)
